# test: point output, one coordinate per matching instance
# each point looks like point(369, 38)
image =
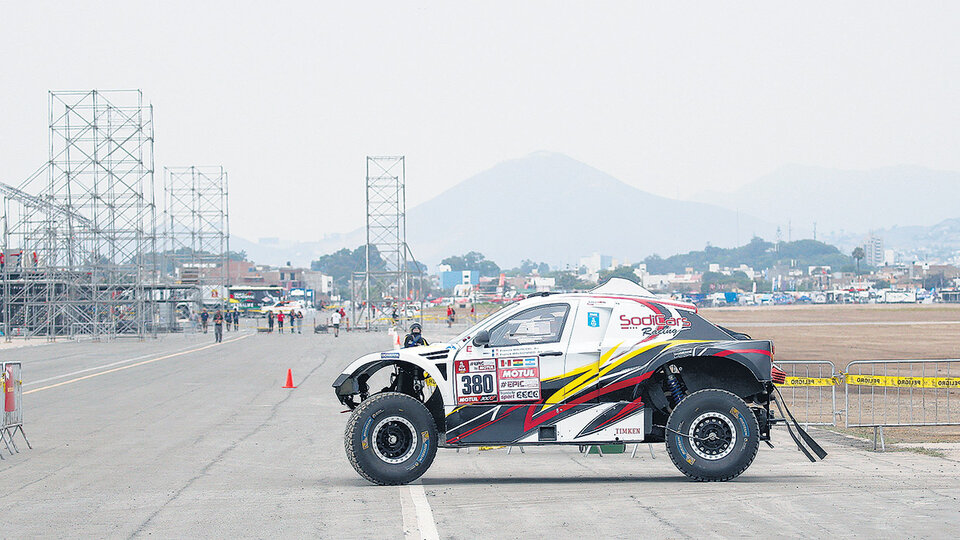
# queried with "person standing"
point(270, 322)
point(335, 319)
point(299, 322)
point(280, 321)
point(236, 320)
point(218, 326)
point(227, 319)
point(293, 320)
point(204, 319)
point(449, 316)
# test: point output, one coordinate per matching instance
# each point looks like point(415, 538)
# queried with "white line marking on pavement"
point(409, 513)
point(48, 379)
point(417, 517)
point(165, 357)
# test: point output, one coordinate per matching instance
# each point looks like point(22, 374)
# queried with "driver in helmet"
point(415, 337)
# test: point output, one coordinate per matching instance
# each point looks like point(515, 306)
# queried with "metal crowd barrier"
point(876, 393)
point(810, 391)
point(11, 384)
point(896, 393)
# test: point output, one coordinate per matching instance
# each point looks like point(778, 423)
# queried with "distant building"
point(873, 250)
point(597, 262)
point(889, 257)
point(450, 279)
point(541, 284)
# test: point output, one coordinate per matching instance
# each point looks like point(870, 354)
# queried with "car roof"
point(619, 288)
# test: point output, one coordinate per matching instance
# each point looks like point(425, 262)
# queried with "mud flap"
point(804, 436)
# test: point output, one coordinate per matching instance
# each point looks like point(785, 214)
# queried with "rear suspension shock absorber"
point(675, 389)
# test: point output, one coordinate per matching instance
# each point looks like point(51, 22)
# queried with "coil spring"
point(675, 390)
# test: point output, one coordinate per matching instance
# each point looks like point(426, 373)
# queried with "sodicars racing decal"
point(497, 379)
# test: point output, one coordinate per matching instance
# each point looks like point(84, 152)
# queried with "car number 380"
point(476, 384)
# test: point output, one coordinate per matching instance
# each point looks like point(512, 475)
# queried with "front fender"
point(352, 379)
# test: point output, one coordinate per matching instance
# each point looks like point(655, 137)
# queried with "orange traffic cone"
point(289, 380)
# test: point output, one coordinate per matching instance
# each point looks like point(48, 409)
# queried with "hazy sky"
point(291, 96)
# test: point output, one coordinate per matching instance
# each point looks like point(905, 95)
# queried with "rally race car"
point(614, 365)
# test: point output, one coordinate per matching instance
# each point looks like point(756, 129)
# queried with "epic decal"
point(593, 319)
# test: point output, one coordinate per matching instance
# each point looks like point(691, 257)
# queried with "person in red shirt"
point(280, 321)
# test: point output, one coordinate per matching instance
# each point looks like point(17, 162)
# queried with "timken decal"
point(632, 323)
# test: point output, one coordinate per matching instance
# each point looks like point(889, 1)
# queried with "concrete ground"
point(179, 437)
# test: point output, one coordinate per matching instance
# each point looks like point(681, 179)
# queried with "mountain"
point(846, 200)
point(550, 207)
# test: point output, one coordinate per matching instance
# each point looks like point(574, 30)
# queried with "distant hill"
point(757, 254)
point(550, 207)
point(841, 200)
point(941, 240)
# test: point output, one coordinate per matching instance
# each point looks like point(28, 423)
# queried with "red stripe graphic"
point(747, 351)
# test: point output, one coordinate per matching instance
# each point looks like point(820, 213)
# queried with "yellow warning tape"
point(902, 382)
point(811, 381)
point(485, 448)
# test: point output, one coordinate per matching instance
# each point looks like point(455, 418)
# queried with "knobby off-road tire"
point(390, 439)
point(712, 436)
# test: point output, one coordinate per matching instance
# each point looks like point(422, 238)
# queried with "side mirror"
point(482, 338)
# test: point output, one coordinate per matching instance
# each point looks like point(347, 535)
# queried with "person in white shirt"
point(335, 319)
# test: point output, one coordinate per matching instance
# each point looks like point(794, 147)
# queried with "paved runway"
point(178, 437)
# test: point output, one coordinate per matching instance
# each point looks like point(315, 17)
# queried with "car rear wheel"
point(712, 436)
point(390, 439)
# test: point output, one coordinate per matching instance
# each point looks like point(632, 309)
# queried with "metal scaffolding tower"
point(389, 261)
point(197, 231)
point(79, 241)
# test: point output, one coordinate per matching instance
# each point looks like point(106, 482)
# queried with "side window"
point(542, 324)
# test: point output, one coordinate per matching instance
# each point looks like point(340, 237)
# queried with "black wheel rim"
point(394, 440)
point(712, 437)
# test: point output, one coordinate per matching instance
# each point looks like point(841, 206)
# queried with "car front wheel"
point(390, 439)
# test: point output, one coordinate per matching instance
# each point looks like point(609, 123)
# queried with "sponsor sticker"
point(390, 355)
point(518, 379)
point(476, 381)
point(674, 324)
point(593, 319)
point(488, 380)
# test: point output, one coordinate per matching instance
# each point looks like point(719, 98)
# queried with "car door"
point(584, 352)
point(522, 361)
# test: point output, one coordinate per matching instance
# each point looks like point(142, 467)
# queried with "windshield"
point(469, 332)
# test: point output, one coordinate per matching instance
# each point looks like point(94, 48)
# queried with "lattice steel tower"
point(78, 257)
point(388, 258)
point(197, 230)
